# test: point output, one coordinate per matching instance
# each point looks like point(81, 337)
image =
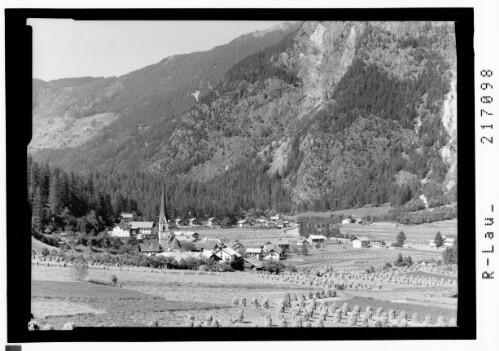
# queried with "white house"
point(361, 242)
point(121, 230)
point(271, 252)
point(346, 221)
point(211, 222)
point(316, 239)
point(191, 221)
point(226, 254)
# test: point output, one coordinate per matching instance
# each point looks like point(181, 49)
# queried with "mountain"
point(325, 115)
point(87, 117)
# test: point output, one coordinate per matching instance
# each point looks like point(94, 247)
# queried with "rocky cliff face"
point(393, 112)
point(343, 114)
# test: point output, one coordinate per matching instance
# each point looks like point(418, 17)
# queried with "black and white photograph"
point(257, 176)
point(243, 174)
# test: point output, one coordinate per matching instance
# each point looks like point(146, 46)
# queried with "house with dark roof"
point(283, 244)
point(150, 247)
point(207, 248)
point(236, 245)
point(250, 264)
point(142, 228)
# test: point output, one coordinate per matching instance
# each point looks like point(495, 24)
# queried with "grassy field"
point(168, 297)
point(420, 233)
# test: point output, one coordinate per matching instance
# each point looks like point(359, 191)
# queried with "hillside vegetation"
point(316, 117)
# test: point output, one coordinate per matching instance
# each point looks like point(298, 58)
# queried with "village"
point(252, 242)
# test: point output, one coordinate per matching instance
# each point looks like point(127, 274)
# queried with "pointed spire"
point(162, 211)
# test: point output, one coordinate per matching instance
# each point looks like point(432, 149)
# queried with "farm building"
point(127, 217)
point(206, 247)
point(377, 243)
point(271, 252)
point(150, 247)
point(226, 254)
point(254, 253)
point(316, 239)
point(211, 222)
point(346, 221)
point(282, 243)
point(192, 221)
point(359, 220)
point(144, 228)
point(236, 245)
point(361, 242)
point(277, 217)
point(121, 230)
point(250, 264)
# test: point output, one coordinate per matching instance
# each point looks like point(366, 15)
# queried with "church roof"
point(162, 209)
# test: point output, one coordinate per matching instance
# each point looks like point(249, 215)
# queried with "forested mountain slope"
point(332, 115)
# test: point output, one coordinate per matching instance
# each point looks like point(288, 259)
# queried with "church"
point(166, 238)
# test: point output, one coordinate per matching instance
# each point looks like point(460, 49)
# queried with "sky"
point(65, 48)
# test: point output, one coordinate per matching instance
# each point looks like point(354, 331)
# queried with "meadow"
point(147, 297)
point(419, 234)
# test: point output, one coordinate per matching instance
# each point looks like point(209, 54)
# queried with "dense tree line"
point(71, 202)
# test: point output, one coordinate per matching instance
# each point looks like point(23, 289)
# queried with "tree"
point(401, 239)
point(439, 241)
point(304, 249)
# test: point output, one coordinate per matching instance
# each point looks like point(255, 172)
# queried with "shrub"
point(283, 323)
point(243, 302)
point(114, 280)
point(209, 319)
point(154, 323)
point(307, 324)
point(402, 323)
point(378, 324)
point(235, 301)
point(80, 269)
point(452, 322)
point(268, 322)
point(415, 317)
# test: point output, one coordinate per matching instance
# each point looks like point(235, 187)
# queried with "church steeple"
point(163, 217)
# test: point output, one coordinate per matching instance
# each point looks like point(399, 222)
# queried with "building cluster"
point(163, 241)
